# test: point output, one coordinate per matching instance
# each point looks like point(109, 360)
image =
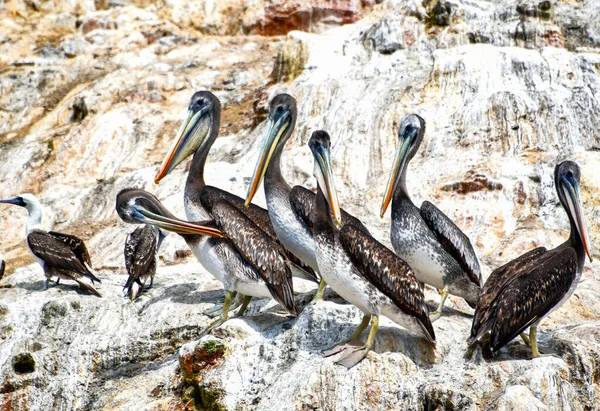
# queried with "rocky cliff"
point(92, 92)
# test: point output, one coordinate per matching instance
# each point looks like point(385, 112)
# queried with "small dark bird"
point(61, 255)
point(141, 249)
point(522, 292)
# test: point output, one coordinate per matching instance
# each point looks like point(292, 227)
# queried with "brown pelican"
point(521, 293)
point(196, 136)
point(60, 255)
point(290, 209)
point(359, 268)
point(230, 247)
point(439, 253)
point(141, 249)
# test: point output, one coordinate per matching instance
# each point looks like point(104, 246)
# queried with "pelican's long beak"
point(15, 200)
point(576, 210)
point(172, 224)
point(193, 132)
point(400, 163)
point(278, 125)
point(324, 174)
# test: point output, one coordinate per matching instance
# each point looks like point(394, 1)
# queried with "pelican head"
point(410, 136)
point(320, 145)
point(281, 122)
point(201, 125)
point(136, 206)
point(566, 179)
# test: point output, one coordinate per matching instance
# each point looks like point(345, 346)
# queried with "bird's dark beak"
point(571, 189)
point(193, 132)
point(400, 161)
point(278, 124)
point(324, 174)
point(174, 225)
point(15, 200)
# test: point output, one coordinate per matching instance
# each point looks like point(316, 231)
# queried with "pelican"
point(196, 136)
point(60, 255)
point(230, 247)
point(439, 253)
point(359, 268)
point(521, 293)
point(141, 249)
point(290, 209)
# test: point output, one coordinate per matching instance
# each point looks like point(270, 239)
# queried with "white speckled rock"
point(508, 89)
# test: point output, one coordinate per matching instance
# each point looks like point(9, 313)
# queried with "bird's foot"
point(435, 315)
point(540, 354)
point(215, 324)
point(525, 339)
point(348, 344)
point(218, 309)
point(355, 356)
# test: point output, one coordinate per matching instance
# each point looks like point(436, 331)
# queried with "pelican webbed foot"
point(351, 342)
point(359, 354)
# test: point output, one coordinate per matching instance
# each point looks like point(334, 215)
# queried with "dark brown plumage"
point(531, 295)
point(495, 284)
point(388, 273)
point(303, 203)
point(209, 196)
point(265, 255)
point(64, 256)
point(519, 294)
point(140, 258)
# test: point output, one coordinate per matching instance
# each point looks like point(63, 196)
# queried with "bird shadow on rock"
point(186, 293)
point(516, 350)
point(62, 287)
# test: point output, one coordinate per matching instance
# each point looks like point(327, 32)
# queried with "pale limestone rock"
point(508, 89)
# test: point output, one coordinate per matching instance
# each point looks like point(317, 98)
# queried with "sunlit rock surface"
point(92, 93)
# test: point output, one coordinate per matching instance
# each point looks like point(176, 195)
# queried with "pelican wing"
point(454, 241)
point(259, 216)
point(58, 253)
point(303, 203)
point(495, 283)
point(532, 295)
point(210, 196)
point(140, 253)
point(387, 272)
point(260, 250)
